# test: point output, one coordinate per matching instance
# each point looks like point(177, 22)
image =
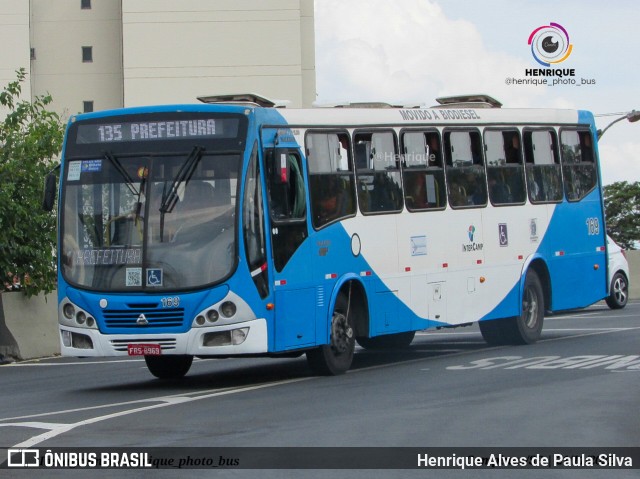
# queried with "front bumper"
point(85, 342)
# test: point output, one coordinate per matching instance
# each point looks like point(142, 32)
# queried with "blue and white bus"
point(235, 228)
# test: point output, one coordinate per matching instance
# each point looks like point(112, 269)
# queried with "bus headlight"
point(228, 309)
point(234, 337)
point(238, 336)
point(69, 311)
point(71, 315)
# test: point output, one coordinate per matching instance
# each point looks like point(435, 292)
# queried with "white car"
point(618, 276)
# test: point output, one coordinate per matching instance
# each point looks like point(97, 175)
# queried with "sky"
point(412, 51)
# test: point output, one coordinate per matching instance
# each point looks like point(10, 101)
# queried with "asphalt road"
point(578, 386)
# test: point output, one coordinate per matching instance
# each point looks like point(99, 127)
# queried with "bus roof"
point(440, 116)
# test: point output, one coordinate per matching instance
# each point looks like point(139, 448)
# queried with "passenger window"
point(542, 165)
point(466, 181)
point(423, 173)
point(378, 171)
point(331, 178)
point(505, 172)
point(578, 163)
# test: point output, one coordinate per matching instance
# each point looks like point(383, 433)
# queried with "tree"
point(30, 139)
point(622, 210)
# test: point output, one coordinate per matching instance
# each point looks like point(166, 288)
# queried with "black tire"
point(523, 329)
point(168, 367)
point(618, 292)
point(336, 357)
point(494, 331)
point(388, 341)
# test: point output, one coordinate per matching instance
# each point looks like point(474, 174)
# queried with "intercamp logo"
point(550, 44)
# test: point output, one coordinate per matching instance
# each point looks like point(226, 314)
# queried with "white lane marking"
point(22, 365)
point(607, 331)
point(35, 362)
point(56, 428)
point(587, 314)
point(164, 401)
point(588, 329)
point(36, 425)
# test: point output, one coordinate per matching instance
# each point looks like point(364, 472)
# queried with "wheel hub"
point(341, 333)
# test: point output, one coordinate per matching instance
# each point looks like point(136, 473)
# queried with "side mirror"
point(50, 187)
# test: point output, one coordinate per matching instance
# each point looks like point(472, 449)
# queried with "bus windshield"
point(121, 233)
point(150, 220)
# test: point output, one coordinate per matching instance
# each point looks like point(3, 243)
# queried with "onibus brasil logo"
point(550, 44)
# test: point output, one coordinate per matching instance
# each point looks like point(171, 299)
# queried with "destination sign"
point(157, 130)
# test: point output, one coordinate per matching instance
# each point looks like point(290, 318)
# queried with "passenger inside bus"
point(330, 201)
point(512, 149)
point(586, 148)
point(435, 155)
point(416, 191)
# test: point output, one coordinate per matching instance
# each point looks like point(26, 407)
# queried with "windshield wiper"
point(185, 173)
point(120, 169)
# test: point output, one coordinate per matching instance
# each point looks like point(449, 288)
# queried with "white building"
point(101, 54)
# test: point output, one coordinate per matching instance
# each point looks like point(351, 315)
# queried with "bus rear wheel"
point(523, 329)
point(388, 341)
point(336, 357)
point(168, 367)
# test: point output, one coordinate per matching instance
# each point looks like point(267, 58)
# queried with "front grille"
point(121, 345)
point(128, 318)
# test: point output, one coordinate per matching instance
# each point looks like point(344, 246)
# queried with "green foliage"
point(30, 139)
point(622, 209)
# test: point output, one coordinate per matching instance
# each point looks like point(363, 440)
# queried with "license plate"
point(144, 349)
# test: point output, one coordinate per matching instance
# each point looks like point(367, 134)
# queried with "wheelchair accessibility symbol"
point(503, 235)
point(154, 277)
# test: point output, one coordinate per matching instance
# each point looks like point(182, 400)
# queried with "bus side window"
point(544, 178)
point(287, 203)
point(253, 226)
point(286, 188)
point(466, 180)
point(331, 178)
point(378, 171)
point(578, 163)
point(505, 172)
point(423, 175)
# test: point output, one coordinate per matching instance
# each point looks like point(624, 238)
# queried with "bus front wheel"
point(335, 358)
point(169, 367)
point(525, 328)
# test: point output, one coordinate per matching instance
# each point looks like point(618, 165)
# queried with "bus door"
point(294, 293)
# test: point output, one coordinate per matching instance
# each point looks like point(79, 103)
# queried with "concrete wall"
point(158, 51)
point(28, 327)
point(14, 38)
point(173, 55)
point(59, 30)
